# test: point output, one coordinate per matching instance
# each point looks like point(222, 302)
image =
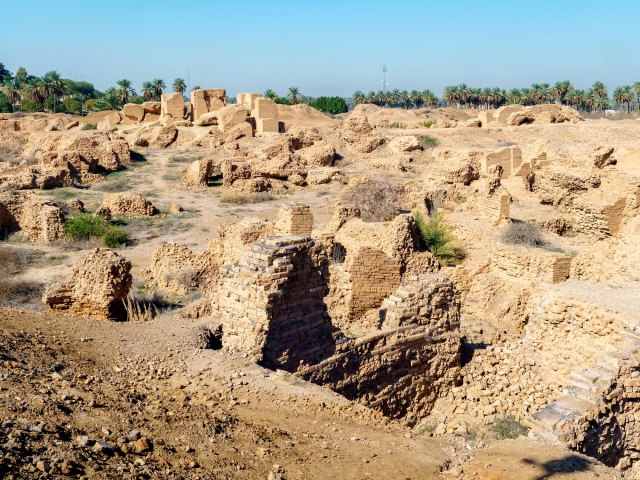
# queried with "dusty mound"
point(303, 115)
point(97, 287)
point(358, 132)
point(127, 205)
point(62, 156)
point(95, 117)
point(38, 220)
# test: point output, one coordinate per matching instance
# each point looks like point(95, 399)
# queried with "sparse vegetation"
point(427, 123)
point(139, 310)
point(436, 237)
point(377, 200)
point(507, 427)
point(85, 226)
point(428, 142)
point(182, 159)
point(119, 184)
point(339, 253)
point(89, 126)
point(522, 233)
point(245, 198)
point(13, 290)
point(398, 125)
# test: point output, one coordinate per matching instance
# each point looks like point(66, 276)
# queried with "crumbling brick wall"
point(402, 368)
point(373, 276)
point(39, 220)
point(536, 264)
point(271, 306)
point(294, 218)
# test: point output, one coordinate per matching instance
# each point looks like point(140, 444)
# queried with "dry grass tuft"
point(245, 198)
point(139, 310)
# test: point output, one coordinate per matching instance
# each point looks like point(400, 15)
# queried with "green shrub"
point(115, 237)
point(508, 427)
point(332, 105)
point(438, 239)
point(85, 226)
point(428, 142)
point(522, 233)
point(89, 126)
point(398, 125)
point(427, 123)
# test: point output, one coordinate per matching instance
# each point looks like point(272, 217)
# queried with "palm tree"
point(158, 86)
point(110, 100)
point(624, 94)
point(12, 90)
point(293, 95)
point(405, 101)
point(269, 93)
point(601, 103)
point(429, 98)
point(179, 85)
point(573, 98)
point(452, 95)
point(560, 90)
point(34, 90)
point(600, 90)
point(514, 96)
point(415, 98)
point(636, 89)
point(52, 86)
point(463, 94)
point(359, 97)
point(148, 90)
point(195, 87)
point(125, 90)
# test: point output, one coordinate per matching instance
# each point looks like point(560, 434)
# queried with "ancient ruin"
point(401, 268)
point(97, 287)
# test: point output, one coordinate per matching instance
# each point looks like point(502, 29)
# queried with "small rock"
point(43, 466)
point(142, 445)
point(103, 447)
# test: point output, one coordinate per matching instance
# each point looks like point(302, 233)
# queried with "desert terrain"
point(207, 290)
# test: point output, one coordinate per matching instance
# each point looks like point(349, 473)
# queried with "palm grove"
point(50, 92)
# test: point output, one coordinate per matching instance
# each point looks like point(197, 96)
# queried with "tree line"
point(51, 92)
point(592, 99)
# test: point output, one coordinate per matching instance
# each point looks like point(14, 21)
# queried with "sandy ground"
point(229, 417)
point(212, 415)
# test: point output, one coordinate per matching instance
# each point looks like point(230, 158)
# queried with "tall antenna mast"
point(384, 78)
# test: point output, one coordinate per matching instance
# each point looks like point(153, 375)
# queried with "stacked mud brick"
point(207, 100)
point(536, 264)
point(271, 306)
point(294, 218)
point(413, 359)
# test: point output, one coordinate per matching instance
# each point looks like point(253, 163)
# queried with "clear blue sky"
point(325, 47)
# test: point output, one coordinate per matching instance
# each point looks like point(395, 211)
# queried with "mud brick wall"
point(38, 220)
point(295, 219)
point(610, 432)
point(373, 276)
point(401, 371)
point(598, 217)
point(536, 264)
point(510, 159)
point(271, 305)
point(495, 206)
